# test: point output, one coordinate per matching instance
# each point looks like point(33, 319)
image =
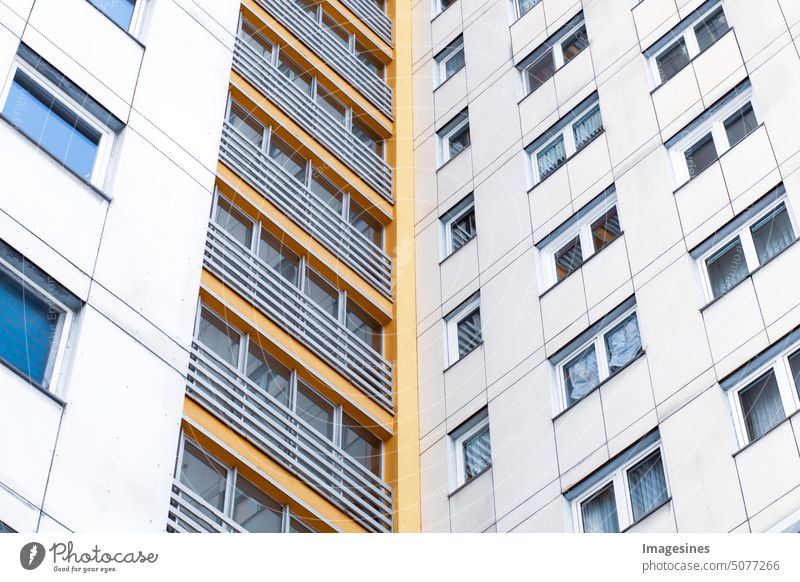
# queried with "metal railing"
point(374, 17)
point(326, 45)
point(314, 119)
point(190, 513)
point(303, 319)
point(289, 440)
point(304, 208)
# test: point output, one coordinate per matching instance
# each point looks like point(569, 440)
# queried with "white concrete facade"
point(690, 344)
point(100, 456)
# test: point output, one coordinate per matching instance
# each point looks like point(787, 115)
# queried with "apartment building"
point(607, 206)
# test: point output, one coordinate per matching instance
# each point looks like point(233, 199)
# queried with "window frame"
point(452, 320)
point(457, 212)
point(620, 480)
point(517, 8)
point(473, 426)
point(105, 144)
point(444, 56)
point(134, 28)
point(438, 8)
point(448, 131)
point(556, 52)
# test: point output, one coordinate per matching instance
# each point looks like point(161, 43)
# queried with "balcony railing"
point(260, 284)
point(313, 118)
point(190, 513)
point(289, 440)
point(302, 206)
point(326, 45)
point(374, 17)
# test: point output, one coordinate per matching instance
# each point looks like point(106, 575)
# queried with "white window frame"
point(581, 229)
point(437, 8)
point(748, 246)
point(601, 353)
point(692, 46)
point(457, 447)
point(59, 351)
point(444, 140)
point(447, 226)
point(107, 135)
point(790, 400)
point(716, 126)
point(621, 488)
point(517, 9)
point(136, 17)
point(557, 52)
point(451, 328)
point(444, 57)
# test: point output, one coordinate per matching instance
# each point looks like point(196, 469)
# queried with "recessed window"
point(454, 137)
point(5, 528)
point(697, 32)
point(720, 128)
point(450, 60)
point(361, 444)
point(524, 6)
point(472, 447)
point(124, 13)
point(458, 225)
point(464, 329)
point(440, 6)
point(554, 53)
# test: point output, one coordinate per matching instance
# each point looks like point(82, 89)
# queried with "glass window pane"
point(332, 105)
point(28, 328)
point(761, 405)
point(368, 137)
point(606, 229)
point(366, 56)
point(458, 141)
point(204, 476)
point(711, 29)
point(462, 230)
point(294, 73)
point(327, 191)
point(477, 451)
point(588, 127)
point(268, 373)
point(444, 4)
point(701, 155)
point(52, 126)
point(526, 5)
point(539, 71)
point(551, 158)
point(297, 526)
point(772, 234)
point(247, 125)
point(648, 485)
point(453, 63)
point(574, 44)
point(794, 365)
point(314, 410)
point(568, 259)
point(325, 295)
point(120, 11)
point(279, 257)
point(361, 444)
point(235, 223)
point(623, 343)
point(254, 510)
point(219, 338)
point(599, 513)
point(256, 41)
point(468, 331)
point(366, 329)
point(366, 224)
point(581, 375)
point(287, 158)
point(672, 61)
point(5, 528)
point(338, 32)
point(740, 124)
point(726, 268)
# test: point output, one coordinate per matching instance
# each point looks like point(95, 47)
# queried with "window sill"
point(479, 344)
point(557, 283)
point(795, 414)
point(465, 483)
point(749, 275)
point(33, 384)
point(648, 514)
point(691, 61)
point(445, 164)
point(567, 161)
point(97, 190)
point(443, 83)
point(438, 14)
point(126, 31)
point(602, 383)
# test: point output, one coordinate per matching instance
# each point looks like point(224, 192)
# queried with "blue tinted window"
point(52, 125)
point(120, 11)
point(28, 328)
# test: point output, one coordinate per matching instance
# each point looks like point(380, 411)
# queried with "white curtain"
point(761, 406)
point(648, 486)
point(773, 234)
point(600, 512)
point(588, 127)
point(551, 158)
point(582, 375)
point(623, 343)
point(477, 454)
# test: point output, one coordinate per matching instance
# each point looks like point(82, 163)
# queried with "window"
point(440, 6)
point(721, 127)
point(766, 390)
point(458, 225)
point(34, 323)
point(471, 443)
point(554, 53)
point(5, 528)
point(567, 137)
point(603, 350)
point(57, 123)
point(278, 384)
point(464, 329)
point(623, 492)
point(278, 257)
point(524, 6)
point(124, 13)
point(224, 493)
point(305, 171)
point(697, 32)
point(746, 243)
point(454, 137)
point(450, 60)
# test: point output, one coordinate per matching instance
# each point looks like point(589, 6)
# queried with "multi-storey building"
point(607, 204)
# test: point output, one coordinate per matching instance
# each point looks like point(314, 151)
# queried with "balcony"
point(286, 438)
point(302, 206)
point(264, 288)
point(190, 513)
point(374, 17)
point(328, 47)
point(315, 120)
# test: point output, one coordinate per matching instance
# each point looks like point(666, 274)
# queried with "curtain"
point(600, 512)
point(581, 375)
point(727, 268)
point(477, 454)
point(761, 406)
point(462, 230)
point(551, 158)
point(772, 234)
point(588, 127)
point(469, 333)
point(623, 343)
point(648, 485)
